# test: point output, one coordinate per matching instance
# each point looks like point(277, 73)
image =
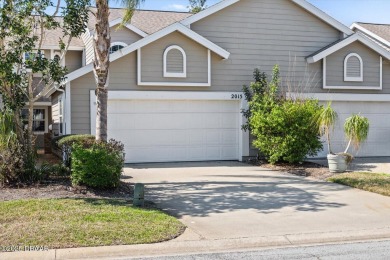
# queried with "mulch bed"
point(57, 187)
point(306, 169)
point(61, 187)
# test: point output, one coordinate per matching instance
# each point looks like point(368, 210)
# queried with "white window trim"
point(380, 87)
point(60, 115)
point(341, 97)
point(168, 74)
point(46, 120)
point(353, 79)
point(172, 84)
point(243, 143)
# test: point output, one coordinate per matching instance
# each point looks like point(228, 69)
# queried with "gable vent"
point(175, 60)
point(353, 68)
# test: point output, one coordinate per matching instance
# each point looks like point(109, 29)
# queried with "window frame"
point(168, 74)
point(46, 120)
point(124, 45)
point(353, 79)
point(60, 116)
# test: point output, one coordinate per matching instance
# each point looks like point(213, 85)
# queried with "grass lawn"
point(64, 223)
point(374, 182)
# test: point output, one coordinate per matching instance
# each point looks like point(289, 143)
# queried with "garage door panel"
point(229, 137)
point(169, 130)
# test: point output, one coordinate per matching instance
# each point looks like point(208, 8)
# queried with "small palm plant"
point(356, 129)
point(326, 119)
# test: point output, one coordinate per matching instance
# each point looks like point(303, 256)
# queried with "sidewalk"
point(190, 243)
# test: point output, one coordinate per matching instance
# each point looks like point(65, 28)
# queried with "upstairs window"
point(175, 62)
point(353, 68)
point(116, 46)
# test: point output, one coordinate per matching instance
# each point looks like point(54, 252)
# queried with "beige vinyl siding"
point(124, 35)
point(371, 66)
point(55, 113)
point(87, 39)
point(260, 34)
point(152, 60)
point(73, 60)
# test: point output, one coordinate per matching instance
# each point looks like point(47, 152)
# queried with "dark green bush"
point(59, 170)
point(64, 144)
point(287, 132)
point(97, 164)
point(284, 129)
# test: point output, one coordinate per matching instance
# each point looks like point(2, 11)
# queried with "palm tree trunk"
point(102, 41)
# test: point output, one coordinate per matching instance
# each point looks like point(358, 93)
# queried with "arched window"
point(353, 68)
point(175, 62)
point(116, 46)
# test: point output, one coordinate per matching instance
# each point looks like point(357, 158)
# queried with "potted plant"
point(356, 130)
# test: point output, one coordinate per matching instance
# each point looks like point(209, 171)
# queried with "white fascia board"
point(323, 16)
point(369, 33)
point(349, 97)
point(131, 27)
point(57, 47)
point(171, 95)
point(149, 39)
point(78, 73)
point(172, 28)
point(305, 5)
point(49, 92)
point(209, 11)
point(356, 37)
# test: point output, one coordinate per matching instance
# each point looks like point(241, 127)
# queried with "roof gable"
point(319, 55)
point(379, 32)
point(149, 39)
point(302, 3)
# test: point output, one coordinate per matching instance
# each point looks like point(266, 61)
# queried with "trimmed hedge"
point(64, 145)
point(97, 164)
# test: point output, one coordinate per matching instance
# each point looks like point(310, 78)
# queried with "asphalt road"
point(356, 251)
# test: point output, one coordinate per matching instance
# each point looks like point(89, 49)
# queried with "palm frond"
point(130, 6)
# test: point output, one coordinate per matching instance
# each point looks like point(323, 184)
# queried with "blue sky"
point(346, 11)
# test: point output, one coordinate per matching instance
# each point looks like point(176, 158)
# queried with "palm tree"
point(101, 64)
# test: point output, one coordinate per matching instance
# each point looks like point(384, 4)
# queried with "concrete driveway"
point(368, 164)
point(232, 200)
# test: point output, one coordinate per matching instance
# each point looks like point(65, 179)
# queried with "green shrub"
point(64, 144)
point(287, 133)
point(97, 164)
point(284, 130)
point(12, 162)
point(47, 170)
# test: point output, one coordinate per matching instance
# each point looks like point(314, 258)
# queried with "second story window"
point(116, 46)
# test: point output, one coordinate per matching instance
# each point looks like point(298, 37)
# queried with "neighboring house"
point(175, 86)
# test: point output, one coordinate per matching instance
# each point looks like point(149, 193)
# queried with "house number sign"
point(236, 96)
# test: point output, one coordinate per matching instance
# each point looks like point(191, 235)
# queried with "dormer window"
point(116, 46)
point(353, 68)
point(175, 62)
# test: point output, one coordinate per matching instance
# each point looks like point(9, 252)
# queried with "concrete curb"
point(177, 247)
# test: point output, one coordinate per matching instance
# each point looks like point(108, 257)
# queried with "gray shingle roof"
point(147, 21)
point(382, 30)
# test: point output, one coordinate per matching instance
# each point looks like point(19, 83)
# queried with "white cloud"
point(176, 7)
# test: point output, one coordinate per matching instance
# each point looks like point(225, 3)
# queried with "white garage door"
point(378, 142)
point(175, 130)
